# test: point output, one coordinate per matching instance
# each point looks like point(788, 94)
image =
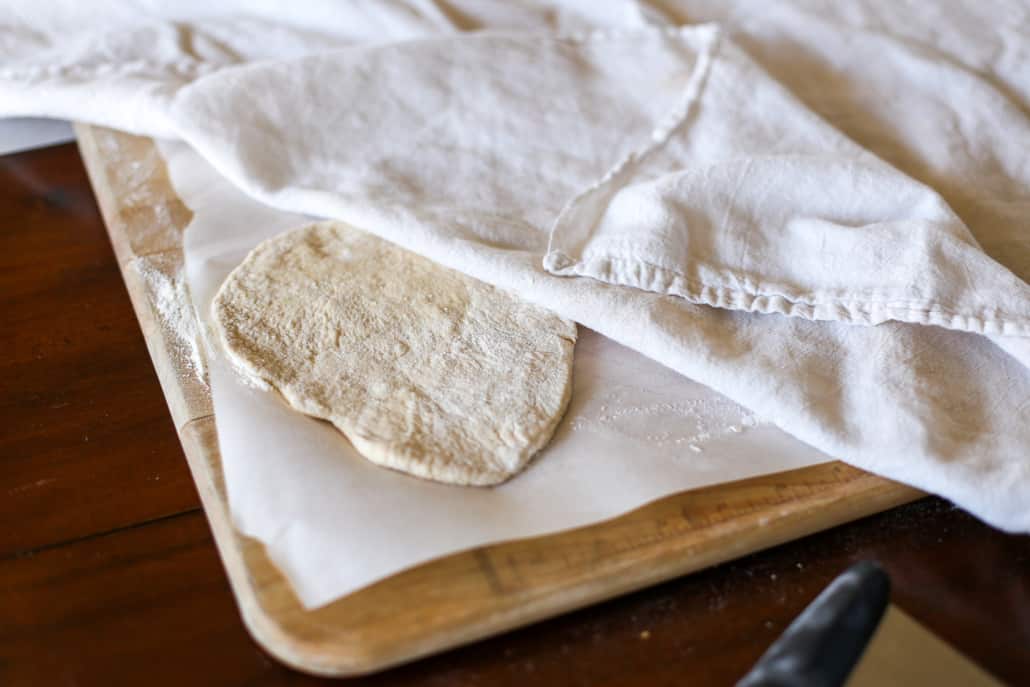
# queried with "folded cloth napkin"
point(653, 183)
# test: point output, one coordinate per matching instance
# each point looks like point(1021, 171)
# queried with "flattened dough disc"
point(424, 369)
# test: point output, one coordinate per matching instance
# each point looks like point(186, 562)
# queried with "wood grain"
point(69, 464)
point(471, 595)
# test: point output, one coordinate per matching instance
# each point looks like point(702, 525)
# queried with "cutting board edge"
point(271, 613)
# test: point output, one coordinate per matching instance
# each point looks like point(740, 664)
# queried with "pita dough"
point(424, 369)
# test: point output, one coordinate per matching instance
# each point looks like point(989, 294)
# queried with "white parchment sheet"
point(333, 522)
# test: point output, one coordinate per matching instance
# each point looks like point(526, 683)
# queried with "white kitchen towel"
point(716, 185)
point(661, 159)
point(119, 62)
point(673, 172)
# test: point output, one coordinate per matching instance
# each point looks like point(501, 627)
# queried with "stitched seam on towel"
point(631, 257)
point(924, 305)
point(660, 134)
point(828, 297)
point(693, 288)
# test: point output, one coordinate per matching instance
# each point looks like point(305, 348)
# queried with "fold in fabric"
point(746, 201)
point(118, 63)
point(807, 236)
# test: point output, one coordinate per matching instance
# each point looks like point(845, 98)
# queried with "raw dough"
point(424, 369)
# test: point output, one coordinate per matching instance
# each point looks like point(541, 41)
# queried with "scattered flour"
point(690, 423)
point(170, 297)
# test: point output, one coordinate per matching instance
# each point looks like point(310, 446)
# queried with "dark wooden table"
point(108, 574)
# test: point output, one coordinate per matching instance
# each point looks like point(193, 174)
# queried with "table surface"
point(108, 574)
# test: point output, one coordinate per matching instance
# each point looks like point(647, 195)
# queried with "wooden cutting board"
point(465, 596)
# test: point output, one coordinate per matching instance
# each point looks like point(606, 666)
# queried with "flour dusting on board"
point(691, 422)
point(170, 297)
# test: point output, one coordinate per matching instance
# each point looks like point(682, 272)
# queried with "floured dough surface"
point(424, 369)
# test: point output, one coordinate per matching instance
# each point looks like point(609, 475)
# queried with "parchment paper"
point(333, 522)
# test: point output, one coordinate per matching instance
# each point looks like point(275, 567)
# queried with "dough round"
point(424, 369)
